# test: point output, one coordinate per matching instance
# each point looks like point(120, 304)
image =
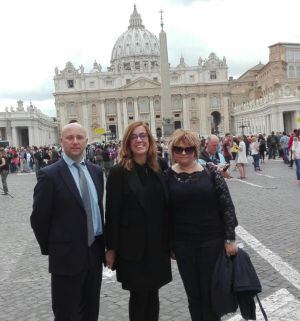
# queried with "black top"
point(194, 207)
point(155, 205)
point(137, 227)
point(6, 166)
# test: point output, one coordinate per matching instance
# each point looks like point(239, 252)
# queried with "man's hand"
point(110, 257)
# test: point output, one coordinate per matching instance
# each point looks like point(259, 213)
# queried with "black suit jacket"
point(128, 218)
point(58, 218)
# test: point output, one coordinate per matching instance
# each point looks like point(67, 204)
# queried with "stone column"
point(119, 115)
point(14, 134)
point(102, 114)
point(36, 135)
point(152, 118)
point(30, 136)
point(225, 112)
point(85, 118)
point(62, 110)
point(280, 121)
point(185, 113)
point(125, 114)
point(136, 110)
point(297, 116)
point(203, 117)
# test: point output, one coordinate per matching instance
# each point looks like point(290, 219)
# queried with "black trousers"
point(144, 305)
point(196, 265)
point(77, 297)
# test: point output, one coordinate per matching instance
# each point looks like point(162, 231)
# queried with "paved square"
point(268, 209)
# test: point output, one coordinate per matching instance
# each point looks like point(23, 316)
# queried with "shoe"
point(4, 193)
point(298, 181)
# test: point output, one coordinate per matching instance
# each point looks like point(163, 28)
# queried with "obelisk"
point(167, 117)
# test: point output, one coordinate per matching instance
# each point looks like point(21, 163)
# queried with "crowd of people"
point(163, 202)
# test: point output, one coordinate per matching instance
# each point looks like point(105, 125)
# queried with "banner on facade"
point(99, 131)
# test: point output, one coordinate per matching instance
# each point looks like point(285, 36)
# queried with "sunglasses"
point(141, 136)
point(187, 150)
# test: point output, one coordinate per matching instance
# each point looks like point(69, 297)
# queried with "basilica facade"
point(203, 98)
point(130, 89)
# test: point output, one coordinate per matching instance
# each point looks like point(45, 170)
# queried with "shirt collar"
point(70, 161)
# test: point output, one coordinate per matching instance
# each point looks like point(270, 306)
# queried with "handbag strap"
point(261, 308)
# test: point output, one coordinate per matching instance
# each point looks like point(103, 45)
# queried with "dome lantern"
point(137, 49)
point(135, 20)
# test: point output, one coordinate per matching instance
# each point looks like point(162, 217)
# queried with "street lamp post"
point(243, 126)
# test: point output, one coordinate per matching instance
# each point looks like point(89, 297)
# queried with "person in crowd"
point(272, 142)
point(284, 141)
point(247, 144)
point(226, 148)
point(38, 159)
point(67, 220)
point(4, 170)
point(22, 158)
point(54, 156)
point(99, 156)
point(15, 162)
point(162, 161)
point(235, 147)
point(211, 154)
point(254, 149)
point(203, 221)
point(28, 161)
point(262, 147)
point(241, 159)
point(137, 223)
point(296, 156)
point(107, 162)
point(290, 145)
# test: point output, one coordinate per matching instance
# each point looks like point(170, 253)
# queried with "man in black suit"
point(67, 220)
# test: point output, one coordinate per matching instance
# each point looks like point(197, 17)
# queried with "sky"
point(37, 36)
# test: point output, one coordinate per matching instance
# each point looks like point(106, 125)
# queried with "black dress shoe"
point(4, 193)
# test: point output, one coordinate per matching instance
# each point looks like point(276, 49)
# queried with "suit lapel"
point(135, 185)
point(69, 180)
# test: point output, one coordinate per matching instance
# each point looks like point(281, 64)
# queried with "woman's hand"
point(231, 248)
point(110, 257)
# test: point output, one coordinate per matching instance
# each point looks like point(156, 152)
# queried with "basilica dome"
point(135, 44)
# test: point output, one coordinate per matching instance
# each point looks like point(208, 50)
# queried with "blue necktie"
point(85, 195)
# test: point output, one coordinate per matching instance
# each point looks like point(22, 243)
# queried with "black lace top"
point(201, 206)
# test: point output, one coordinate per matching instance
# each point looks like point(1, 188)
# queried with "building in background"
point(28, 127)
point(203, 99)
point(131, 89)
point(267, 97)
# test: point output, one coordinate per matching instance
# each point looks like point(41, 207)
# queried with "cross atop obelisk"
point(161, 19)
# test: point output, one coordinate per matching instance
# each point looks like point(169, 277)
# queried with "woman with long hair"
point(137, 223)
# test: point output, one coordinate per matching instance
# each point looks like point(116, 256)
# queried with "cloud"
point(42, 92)
point(185, 2)
point(54, 32)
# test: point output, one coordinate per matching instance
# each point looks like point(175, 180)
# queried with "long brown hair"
point(126, 156)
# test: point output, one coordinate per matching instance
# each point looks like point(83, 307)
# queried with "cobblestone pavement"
point(268, 209)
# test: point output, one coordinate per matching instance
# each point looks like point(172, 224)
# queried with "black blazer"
point(127, 218)
point(58, 218)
